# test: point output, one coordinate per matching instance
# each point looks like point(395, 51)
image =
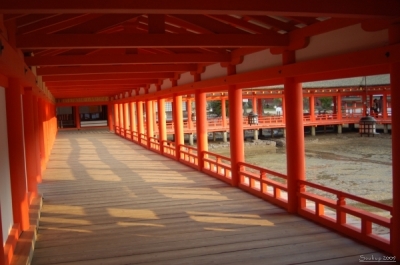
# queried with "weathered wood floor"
point(109, 201)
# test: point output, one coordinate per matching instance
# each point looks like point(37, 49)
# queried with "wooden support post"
point(201, 126)
point(223, 113)
point(312, 108)
point(313, 133)
point(295, 151)
point(32, 171)
point(35, 107)
point(294, 141)
point(139, 119)
point(121, 119)
point(132, 117)
point(189, 113)
point(339, 106)
point(149, 122)
point(77, 118)
point(41, 134)
point(125, 107)
point(162, 123)
point(16, 150)
point(116, 117)
point(110, 122)
point(235, 128)
point(178, 124)
point(394, 37)
point(384, 106)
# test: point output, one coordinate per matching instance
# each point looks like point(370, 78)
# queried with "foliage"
point(216, 106)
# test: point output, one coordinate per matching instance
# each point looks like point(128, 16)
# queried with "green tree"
point(216, 106)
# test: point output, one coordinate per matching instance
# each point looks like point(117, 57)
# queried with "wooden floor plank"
point(109, 201)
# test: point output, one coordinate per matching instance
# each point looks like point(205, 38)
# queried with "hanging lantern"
point(252, 118)
point(193, 117)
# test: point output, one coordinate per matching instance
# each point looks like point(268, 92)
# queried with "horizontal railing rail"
point(188, 156)
point(155, 144)
point(218, 166)
point(169, 149)
point(264, 183)
point(332, 210)
point(143, 139)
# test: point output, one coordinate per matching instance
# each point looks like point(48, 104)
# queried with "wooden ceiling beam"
point(100, 82)
point(126, 59)
point(120, 40)
point(107, 76)
point(311, 8)
point(102, 69)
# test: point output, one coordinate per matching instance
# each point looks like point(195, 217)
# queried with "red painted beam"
point(146, 68)
point(122, 40)
point(108, 76)
point(126, 59)
point(311, 8)
point(100, 83)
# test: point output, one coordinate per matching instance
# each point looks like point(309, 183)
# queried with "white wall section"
point(5, 185)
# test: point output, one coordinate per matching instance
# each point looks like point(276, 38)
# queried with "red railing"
point(117, 130)
point(128, 134)
point(155, 144)
point(169, 149)
point(264, 183)
point(351, 220)
point(135, 137)
point(143, 139)
point(217, 166)
point(188, 156)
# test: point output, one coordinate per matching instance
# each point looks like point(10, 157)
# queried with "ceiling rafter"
point(100, 69)
point(55, 23)
point(108, 76)
point(125, 59)
point(90, 41)
point(239, 23)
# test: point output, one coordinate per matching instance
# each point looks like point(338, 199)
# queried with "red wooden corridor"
point(121, 63)
point(110, 201)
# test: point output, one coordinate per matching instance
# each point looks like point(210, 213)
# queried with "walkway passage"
point(109, 201)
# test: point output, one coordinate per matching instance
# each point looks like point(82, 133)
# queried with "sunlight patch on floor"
point(127, 224)
point(132, 213)
point(63, 209)
point(58, 220)
point(220, 218)
point(191, 193)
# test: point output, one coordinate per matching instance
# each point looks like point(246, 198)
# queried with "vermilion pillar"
point(37, 137)
point(223, 112)
point(41, 133)
point(235, 128)
point(339, 106)
point(132, 118)
point(32, 170)
point(110, 117)
point(178, 123)
point(121, 119)
point(189, 113)
point(149, 121)
point(384, 106)
point(162, 124)
point(236, 131)
point(16, 150)
point(294, 140)
point(312, 108)
point(125, 108)
point(201, 126)
point(139, 119)
point(394, 38)
point(77, 118)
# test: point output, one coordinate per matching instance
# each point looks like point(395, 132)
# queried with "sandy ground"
point(347, 162)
